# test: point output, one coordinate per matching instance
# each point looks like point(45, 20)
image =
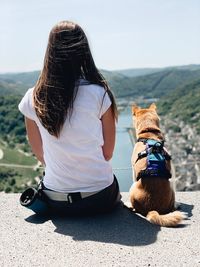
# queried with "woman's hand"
point(35, 139)
point(108, 125)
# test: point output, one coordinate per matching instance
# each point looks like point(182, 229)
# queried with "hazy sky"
point(122, 34)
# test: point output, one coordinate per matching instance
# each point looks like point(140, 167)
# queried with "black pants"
point(103, 201)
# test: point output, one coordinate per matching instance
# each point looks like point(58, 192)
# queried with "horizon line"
point(110, 70)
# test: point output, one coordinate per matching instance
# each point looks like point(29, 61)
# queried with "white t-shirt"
point(75, 161)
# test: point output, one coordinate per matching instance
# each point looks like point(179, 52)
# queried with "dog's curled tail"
point(170, 219)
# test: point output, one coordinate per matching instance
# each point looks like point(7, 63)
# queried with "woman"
point(70, 119)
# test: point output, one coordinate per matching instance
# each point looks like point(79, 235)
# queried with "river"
point(121, 160)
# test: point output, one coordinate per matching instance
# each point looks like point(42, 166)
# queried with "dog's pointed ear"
point(153, 106)
point(135, 109)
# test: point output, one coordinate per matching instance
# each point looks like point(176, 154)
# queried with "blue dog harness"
point(156, 159)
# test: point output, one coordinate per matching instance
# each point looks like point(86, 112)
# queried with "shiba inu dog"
point(151, 194)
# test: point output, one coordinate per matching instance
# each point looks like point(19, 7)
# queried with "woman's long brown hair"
point(68, 58)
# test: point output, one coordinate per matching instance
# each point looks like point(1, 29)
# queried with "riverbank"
point(183, 143)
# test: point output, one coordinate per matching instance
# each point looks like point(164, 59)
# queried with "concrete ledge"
point(121, 238)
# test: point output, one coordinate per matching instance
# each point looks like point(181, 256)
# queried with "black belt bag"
point(67, 197)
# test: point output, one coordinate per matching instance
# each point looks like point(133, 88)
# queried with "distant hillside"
point(22, 78)
point(183, 103)
point(162, 83)
point(153, 85)
point(17, 83)
point(6, 88)
point(145, 71)
point(138, 72)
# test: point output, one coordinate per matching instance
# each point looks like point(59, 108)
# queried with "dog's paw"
point(128, 205)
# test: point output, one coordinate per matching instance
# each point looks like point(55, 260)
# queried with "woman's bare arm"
point(108, 125)
point(35, 139)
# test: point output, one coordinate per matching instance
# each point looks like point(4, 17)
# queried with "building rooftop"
point(120, 238)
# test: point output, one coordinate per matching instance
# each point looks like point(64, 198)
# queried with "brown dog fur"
point(151, 197)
